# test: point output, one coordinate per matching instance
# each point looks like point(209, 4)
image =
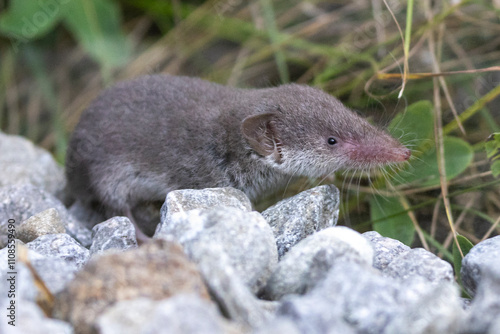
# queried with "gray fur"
point(145, 137)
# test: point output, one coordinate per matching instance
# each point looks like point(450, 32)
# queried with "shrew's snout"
point(404, 155)
point(377, 155)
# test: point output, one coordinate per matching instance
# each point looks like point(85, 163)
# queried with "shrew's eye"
point(332, 141)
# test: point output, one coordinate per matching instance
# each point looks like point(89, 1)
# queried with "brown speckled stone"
point(157, 270)
point(45, 222)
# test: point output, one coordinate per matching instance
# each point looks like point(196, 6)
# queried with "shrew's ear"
point(260, 133)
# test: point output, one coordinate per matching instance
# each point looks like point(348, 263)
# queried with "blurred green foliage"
point(465, 247)
point(95, 24)
point(493, 153)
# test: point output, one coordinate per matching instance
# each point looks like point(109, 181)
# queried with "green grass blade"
point(272, 31)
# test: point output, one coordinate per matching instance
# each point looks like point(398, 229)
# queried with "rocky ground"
point(216, 266)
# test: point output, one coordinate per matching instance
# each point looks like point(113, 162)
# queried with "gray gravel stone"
point(21, 162)
point(484, 310)
point(45, 222)
point(60, 246)
point(245, 237)
point(85, 215)
point(481, 278)
point(25, 286)
point(20, 202)
point(397, 260)
point(295, 218)
point(495, 327)
point(127, 316)
point(308, 262)
point(31, 320)
point(355, 298)
point(235, 252)
point(55, 273)
point(227, 287)
point(385, 249)
point(177, 315)
point(427, 308)
point(115, 233)
point(485, 254)
point(189, 199)
point(279, 325)
point(419, 262)
point(29, 317)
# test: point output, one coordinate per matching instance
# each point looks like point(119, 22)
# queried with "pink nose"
point(406, 154)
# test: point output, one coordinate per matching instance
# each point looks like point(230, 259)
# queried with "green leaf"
point(414, 126)
point(493, 152)
point(27, 20)
point(96, 25)
point(465, 246)
point(391, 219)
point(458, 155)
